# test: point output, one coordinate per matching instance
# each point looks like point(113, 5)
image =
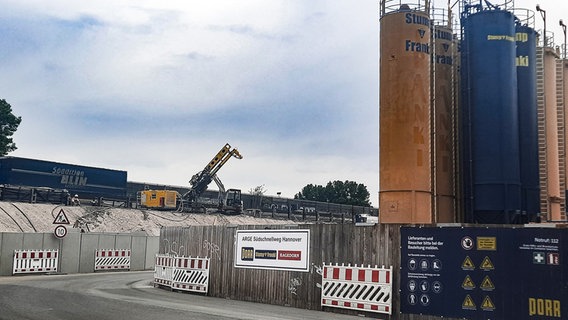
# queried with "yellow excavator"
point(229, 201)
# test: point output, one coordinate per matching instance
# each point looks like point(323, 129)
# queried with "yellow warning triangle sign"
point(468, 303)
point(487, 284)
point(486, 264)
point(61, 218)
point(468, 283)
point(467, 264)
point(487, 304)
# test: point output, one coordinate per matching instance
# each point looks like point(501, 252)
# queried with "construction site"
point(473, 191)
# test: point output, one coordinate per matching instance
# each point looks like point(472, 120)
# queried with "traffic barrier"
point(163, 270)
point(191, 274)
point(359, 288)
point(182, 273)
point(112, 259)
point(35, 261)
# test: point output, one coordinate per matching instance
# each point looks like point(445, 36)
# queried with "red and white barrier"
point(163, 270)
point(359, 288)
point(112, 259)
point(182, 273)
point(191, 274)
point(35, 261)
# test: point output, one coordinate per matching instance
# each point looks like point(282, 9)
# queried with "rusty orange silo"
point(442, 71)
point(550, 180)
point(405, 190)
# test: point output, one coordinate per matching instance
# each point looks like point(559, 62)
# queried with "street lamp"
point(564, 30)
point(543, 15)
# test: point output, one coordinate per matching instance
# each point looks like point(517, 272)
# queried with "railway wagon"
point(86, 182)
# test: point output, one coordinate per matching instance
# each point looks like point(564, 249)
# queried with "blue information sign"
point(484, 273)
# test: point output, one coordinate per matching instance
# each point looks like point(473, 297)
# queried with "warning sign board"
point(486, 264)
point(483, 272)
point(487, 284)
point(487, 243)
point(487, 304)
point(61, 218)
point(467, 264)
point(468, 284)
point(468, 303)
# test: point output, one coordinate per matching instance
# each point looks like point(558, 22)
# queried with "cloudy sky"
point(156, 88)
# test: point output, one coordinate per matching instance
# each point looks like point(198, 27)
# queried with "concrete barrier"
point(75, 250)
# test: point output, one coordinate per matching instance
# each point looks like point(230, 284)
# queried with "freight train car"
point(86, 182)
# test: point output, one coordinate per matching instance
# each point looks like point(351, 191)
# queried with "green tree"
point(257, 196)
point(342, 192)
point(8, 125)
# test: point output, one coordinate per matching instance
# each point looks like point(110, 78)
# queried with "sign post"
point(60, 220)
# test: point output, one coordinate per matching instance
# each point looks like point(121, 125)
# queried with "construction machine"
point(229, 201)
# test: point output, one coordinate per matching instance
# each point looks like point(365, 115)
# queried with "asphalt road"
point(127, 295)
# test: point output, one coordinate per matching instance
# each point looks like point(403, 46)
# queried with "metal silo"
point(528, 123)
point(491, 172)
point(565, 109)
point(405, 194)
point(551, 206)
point(443, 169)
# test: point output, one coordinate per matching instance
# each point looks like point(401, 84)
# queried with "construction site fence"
point(330, 245)
point(452, 253)
point(76, 252)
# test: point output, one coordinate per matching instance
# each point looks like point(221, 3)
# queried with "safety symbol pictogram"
point(468, 303)
point(487, 304)
point(487, 284)
point(467, 264)
point(538, 258)
point(468, 284)
point(61, 218)
point(486, 264)
point(553, 258)
point(467, 243)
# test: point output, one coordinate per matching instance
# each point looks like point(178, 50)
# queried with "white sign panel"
point(273, 249)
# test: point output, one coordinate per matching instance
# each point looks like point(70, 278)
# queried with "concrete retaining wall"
point(77, 250)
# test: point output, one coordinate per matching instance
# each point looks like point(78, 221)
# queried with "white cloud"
point(157, 87)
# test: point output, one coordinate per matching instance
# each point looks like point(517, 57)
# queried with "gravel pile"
point(26, 217)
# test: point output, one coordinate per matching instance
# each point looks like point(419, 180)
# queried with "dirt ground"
point(27, 217)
